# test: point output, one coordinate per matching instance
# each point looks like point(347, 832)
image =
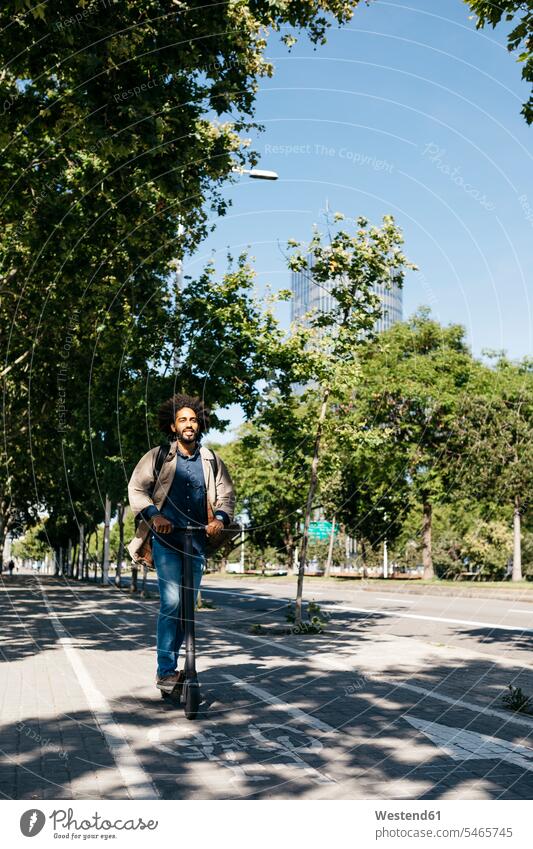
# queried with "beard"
point(187, 436)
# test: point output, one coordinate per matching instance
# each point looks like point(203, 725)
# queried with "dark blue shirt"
point(186, 502)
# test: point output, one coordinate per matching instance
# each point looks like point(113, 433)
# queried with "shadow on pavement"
point(286, 728)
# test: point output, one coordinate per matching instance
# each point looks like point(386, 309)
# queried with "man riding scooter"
point(186, 485)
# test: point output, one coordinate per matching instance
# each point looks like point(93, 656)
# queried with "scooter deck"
point(174, 694)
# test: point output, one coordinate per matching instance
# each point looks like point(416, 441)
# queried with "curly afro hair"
point(166, 414)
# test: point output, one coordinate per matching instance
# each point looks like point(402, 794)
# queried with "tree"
point(487, 547)
point(350, 266)
point(413, 380)
point(120, 123)
point(112, 410)
point(495, 432)
point(270, 467)
point(361, 488)
point(31, 545)
point(520, 37)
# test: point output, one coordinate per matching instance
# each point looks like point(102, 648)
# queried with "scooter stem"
point(188, 605)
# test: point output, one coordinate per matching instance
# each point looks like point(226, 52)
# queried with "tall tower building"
point(308, 295)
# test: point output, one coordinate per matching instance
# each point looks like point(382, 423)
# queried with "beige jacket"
point(220, 492)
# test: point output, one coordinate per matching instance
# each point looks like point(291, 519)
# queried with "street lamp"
point(257, 173)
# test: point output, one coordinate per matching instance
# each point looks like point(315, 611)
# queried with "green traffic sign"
point(321, 530)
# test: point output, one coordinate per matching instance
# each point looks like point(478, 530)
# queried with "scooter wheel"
point(192, 701)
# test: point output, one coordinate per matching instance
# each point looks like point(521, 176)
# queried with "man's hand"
point(161, 525)
point(214, 528)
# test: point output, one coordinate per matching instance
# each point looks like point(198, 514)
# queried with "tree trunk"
point(87, 555)
point(3, 534)
point(68, 564)
point(363, 559)
point(242, 552)
point(330, 550)
point(288, 542)
point(105, 553)
point(427, 558)
point(96, 555)
point(74, 558)
point(309, 506)
point(120, 553)
point(517, 547)
point(81, 563)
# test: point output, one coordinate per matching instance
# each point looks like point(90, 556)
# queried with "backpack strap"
point(214, 468)
point(158, 465)
point(160, 459)
point(214, 463)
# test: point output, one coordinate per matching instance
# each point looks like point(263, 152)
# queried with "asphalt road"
point(481, 624)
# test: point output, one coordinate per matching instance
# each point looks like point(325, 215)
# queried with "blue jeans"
point(169, 565)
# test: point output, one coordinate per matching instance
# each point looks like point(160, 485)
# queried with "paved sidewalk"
point(359, 712)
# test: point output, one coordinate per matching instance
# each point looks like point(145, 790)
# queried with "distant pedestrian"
point(11, 566)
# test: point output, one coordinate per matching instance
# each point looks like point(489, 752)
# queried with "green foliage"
point(519, 38)
point(516, 700)
point(527, 554)
point(421, 419)
point(488, 547)
point(319, 549)
point(120, 124)
point(495, 435)
point(32, 545)
point(352, 263)
point(271, 481)
point(129, 532)
point(314, 624)
point(402, 407)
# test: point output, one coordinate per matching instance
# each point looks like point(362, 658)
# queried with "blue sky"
point(412, 112)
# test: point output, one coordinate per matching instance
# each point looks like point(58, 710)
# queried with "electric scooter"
point(189, 689)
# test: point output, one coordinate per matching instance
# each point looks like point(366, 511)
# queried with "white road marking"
point(329, 662)
point(471, 622)
point(517, 610)
point(227, 752)
point(295, 712)
point(136, 780)
point(464, 745)
point(395, 599)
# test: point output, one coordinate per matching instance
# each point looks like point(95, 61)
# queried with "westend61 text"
point(407, 815)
